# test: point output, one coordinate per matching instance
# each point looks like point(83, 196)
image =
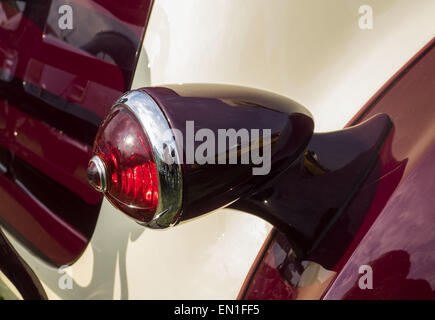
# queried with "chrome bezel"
point(156, 127)
point(101, 169)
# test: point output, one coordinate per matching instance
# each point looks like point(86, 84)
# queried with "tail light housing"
point(140, 157)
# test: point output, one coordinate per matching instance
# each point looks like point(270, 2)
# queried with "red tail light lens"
point(130, 162)
point(132, 181)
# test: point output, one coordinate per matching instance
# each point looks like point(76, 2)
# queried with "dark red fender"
point(395, 236)
point(399, 243)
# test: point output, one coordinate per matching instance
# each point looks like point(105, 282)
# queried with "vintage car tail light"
point(143, 162)
point(142, 149)
point(127, 164)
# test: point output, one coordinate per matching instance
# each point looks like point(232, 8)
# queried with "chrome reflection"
point(100, 171)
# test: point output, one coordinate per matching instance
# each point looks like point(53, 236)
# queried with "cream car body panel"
point(312, 51)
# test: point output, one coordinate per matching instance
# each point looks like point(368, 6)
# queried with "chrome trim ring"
point(101, 169)
point(163, 144)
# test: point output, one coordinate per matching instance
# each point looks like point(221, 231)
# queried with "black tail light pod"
point(169, 154)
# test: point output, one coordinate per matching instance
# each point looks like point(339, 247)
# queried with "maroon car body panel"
point(395, 236)
point(399, 245)
point(55, 88)
point(399, 242)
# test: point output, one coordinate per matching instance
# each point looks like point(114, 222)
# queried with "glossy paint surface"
point(399, 245)
point(308, 50)
point(55, 87)
point(392, 237)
